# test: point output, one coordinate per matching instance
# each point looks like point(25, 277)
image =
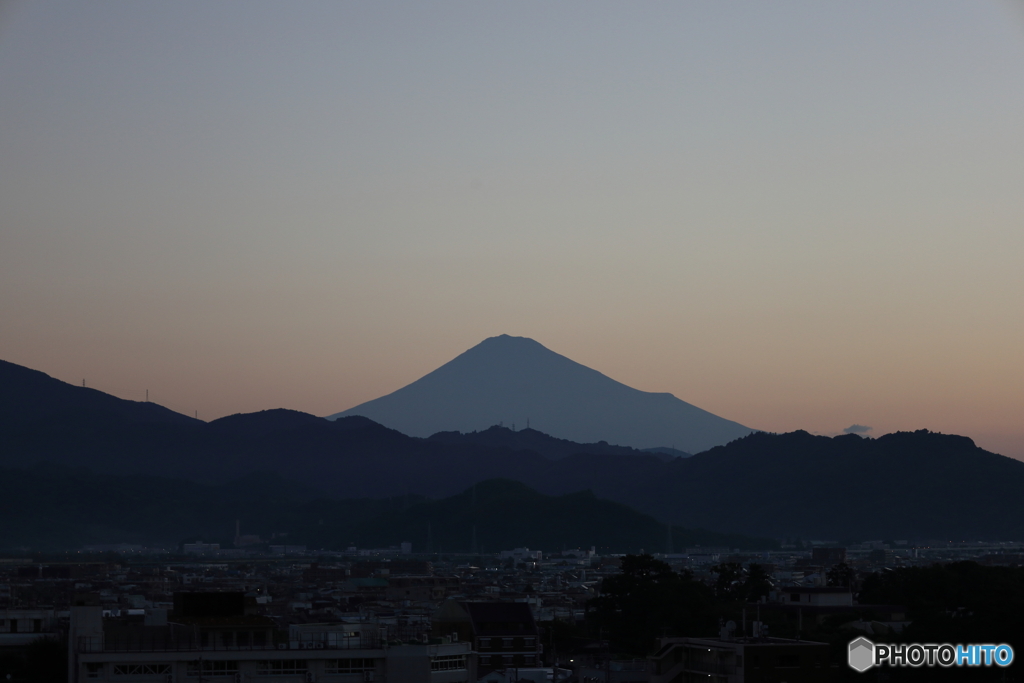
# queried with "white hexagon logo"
point(861, 654)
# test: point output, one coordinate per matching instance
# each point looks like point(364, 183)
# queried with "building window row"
point(280, 667)
point(21, 625)
point(508, 643)
point(213, 668)
point(349, 666)
point(245, 638)
point(448, 663)
point(141, 669)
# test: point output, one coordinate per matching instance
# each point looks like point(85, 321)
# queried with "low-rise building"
point(503, 634)
point(200, 641)
point(739, 660)
point(19, 627)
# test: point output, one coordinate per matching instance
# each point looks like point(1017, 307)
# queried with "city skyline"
point(795, 217)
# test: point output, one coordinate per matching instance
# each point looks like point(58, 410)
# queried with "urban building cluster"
point(390, 615)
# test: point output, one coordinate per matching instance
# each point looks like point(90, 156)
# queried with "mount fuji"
point(516, 380)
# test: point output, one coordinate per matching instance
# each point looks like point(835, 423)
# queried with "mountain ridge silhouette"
point(912, 485)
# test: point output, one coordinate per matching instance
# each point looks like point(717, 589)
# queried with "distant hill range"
point(543, 444)
point(55, 508)
point(32, 397)
point(912, 485)
point(510, 380)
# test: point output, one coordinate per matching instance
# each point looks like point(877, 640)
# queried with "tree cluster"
point(737, 583)
point(647, 601)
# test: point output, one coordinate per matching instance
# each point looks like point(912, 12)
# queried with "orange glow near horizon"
point(799, 217)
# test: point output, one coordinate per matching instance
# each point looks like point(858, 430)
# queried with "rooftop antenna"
point(147, 395)
point(83, 382)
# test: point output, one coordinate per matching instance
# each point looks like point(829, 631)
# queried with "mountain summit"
point(514, 379)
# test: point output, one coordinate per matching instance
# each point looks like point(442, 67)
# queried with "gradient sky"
point(794, 215)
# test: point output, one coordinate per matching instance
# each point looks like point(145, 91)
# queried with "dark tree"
point(960, 602)
point(649, 600)
point(729, 584)
point(757, 584)
point(840, 575)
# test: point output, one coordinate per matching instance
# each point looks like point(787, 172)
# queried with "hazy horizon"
point(796, 216)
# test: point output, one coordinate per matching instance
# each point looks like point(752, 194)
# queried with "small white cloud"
point(856, 429)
